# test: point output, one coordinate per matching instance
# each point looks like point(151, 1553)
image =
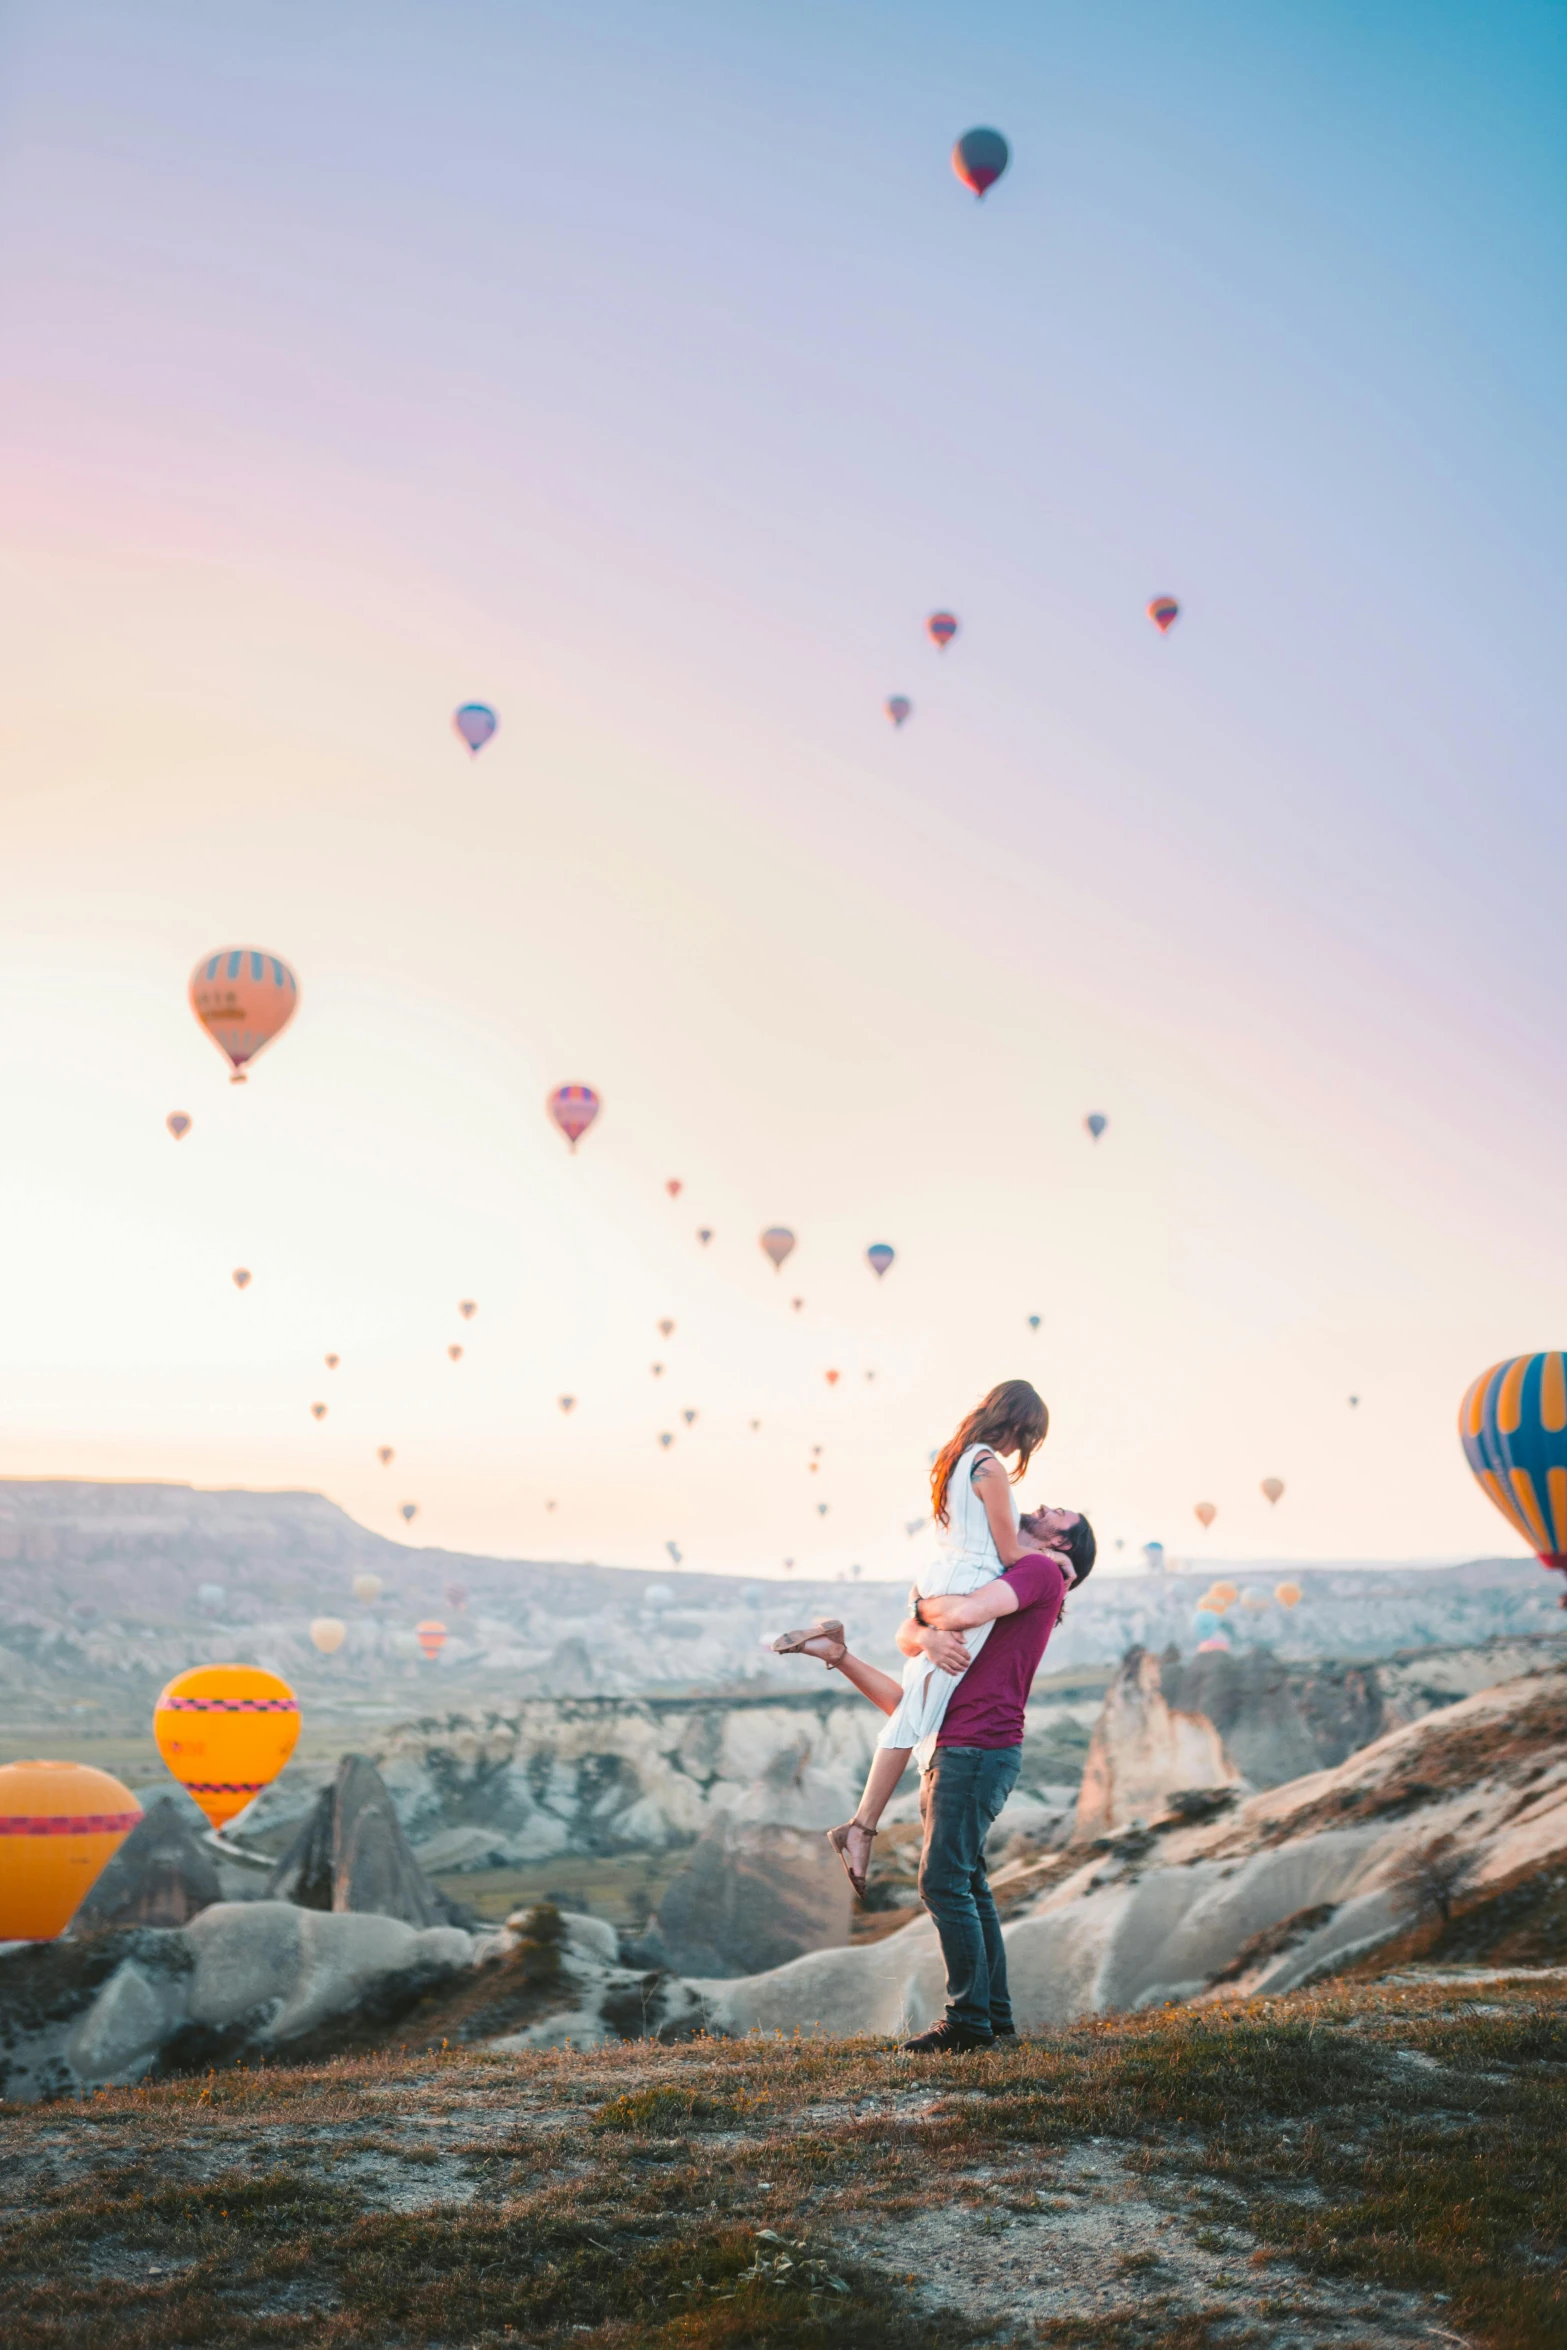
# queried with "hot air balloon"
point(705, 1234)
point(777, 1243)
point(318, 1411)
point(666, 1329)
point(1096, 1122)
point(1222, 1596)
point(431, 1637)
point(979, 159)
point(1254, 1599)
point(689, 1416)
point(60, 1824)
point(941, 628)
point(1164, 611)
point(178, 1124)
point(1205, 1512)
point(385, 1455)
point(898, 708)
point(367, 1588)
point(822, 1508)
point(665, 1438)
point(879, 1256)
point(1287, 1594)
point(813, 1466)
point(831, 1378)
point(657, 1370)
point(332, 1361)
point(457, 1596)
point(1272, 1487)
point(209, 1598)
point(755, 1424)
point(475, 722)
point(329, 1633)
point(1153, 1557)
point(817, 1450)
point(568, 1403)
point(467, 1307)
point(1034, 1321)
point(1513, 1423)
point(225, 1732)
point(573, 1108)
point(242, 998)
point(674, 1187)
point(798, 1304)
point(1205, 1622)
point(240, 1277)
point(410, 1510)
point(675, 1552)
point(1215, 1642)
point(549, 1505)
point(456, 1353)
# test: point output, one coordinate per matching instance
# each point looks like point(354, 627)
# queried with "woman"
point(977, 1535)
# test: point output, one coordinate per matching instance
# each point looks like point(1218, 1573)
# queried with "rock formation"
point(161, 1876)
point(762, 1883)
point(351, 1854)
point(1144, 1750)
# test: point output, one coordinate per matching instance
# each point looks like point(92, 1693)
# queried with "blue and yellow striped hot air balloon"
point(1513, 1422)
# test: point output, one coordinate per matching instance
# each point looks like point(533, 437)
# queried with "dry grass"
point(1355, 2165)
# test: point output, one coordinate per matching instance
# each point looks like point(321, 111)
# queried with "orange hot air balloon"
point(1287, 1594)
point(178, 1124)
point(467, 1307)
point(431, 1637)
point(831, 1378)
point(318, 1411)
point(456, 1353)
point(225, 1732)
point(777, 1242)
point(1272, 1487)
point(367, 1588)
point(240, 1277)
point(329, 1633)
point(332, 1362)
point(1164, 612)
point(1205, 1512)
point(243, 998)
point(1222, 1596)
point(60, 1823)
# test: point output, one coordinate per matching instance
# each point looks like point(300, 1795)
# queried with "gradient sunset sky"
point(644, 371)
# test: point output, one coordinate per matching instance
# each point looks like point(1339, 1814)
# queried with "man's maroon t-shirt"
point(987, 1705)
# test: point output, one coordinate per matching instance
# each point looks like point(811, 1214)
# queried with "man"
point(976, 1763)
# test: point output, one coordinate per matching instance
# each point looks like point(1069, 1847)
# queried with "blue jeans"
point(960, 1796)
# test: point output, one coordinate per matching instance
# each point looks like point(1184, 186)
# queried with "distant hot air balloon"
point(831, 1378)
point(243, 998)
point(329, 1633)
point(1222, 1596)
point(898, 708)
point(385, 1455)
point(178, 1124)
point(573, 1108)
point(755, 1424)
point(467, 1307)
point(549, 1505)
point(705, 1234)
point(674, 1551)
point(209, 1598)
point(822, 1508)
point(1254, 1599)
point(1205, 1623)
point(1287, 1594)
point(1205, 1512)
point(331, 1361)
point(367, 1588)
point(457, 1596)
point(568, 1403)
point(657, 1370)
point(1272, 1487)
point(1164, 612)
point(240, 1277)
point(798, 1304)
point(979, 159)
point(777, 1242)
point(431, 1637)
point(941, 628)
point(689, 1416)
point(1513, 1423)
point(666, 1438)
point(817, 1450)
point(666, 1329)
point(1034, 1321)
point(318, 1411)
point(1216, 1641)
point(410, 1510)
point(813, 1466)
point(879, 1256)
point(1353, 1401)
point(475, 722)
point(225, 1732)
point(61, 1823)
point(1153, 1557)
point(456, 1353)
point(1096, 1122)
point(674, 1187)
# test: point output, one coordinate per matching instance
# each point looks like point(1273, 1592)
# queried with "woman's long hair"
point(1012, 1418)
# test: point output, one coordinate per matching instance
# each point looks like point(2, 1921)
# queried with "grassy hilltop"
point(1367, 2165)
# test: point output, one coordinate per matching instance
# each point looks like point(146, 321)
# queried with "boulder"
point(351, 1854)
point(762, 1884)
point(1144, 1751)
point(161, 1876)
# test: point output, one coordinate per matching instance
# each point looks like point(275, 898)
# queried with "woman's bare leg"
point(883, 1691)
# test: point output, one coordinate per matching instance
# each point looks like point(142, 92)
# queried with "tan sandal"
point(838, 1838)
point(797, 1643)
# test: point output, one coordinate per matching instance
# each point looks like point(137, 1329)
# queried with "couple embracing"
point(980, 1618)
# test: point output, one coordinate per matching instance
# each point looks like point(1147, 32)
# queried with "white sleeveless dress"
point(966, 1558)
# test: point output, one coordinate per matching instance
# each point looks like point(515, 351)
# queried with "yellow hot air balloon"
point(60, 1823)
point(329, 1633)
point(1273, 1487)
point(225, 1732)
point(1287, 1594)
point(367, 1588)
point(1205, 1512)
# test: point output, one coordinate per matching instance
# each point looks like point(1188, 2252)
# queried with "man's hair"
point(1082, 1550)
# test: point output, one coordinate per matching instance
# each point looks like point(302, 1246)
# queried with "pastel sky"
point(645, 372)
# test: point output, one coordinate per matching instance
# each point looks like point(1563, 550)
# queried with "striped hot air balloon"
point(573, 1108)
point(898, 708)
point(879, 1256)
point(225, 1732)
point(941, 628)
point(243, 997)
point(431, 1637)
point(979, 158)
point(1513, 1423)
point(61, 1823)
point(1164, 612)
